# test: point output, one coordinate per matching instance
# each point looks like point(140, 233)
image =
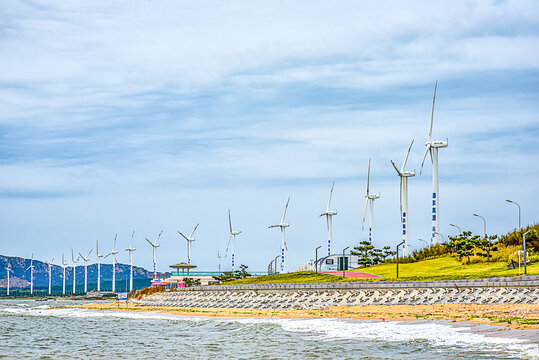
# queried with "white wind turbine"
point(85, 259)
point(369, 199)
point(75, 261)
point(31, 268)
point(64, 265)
point(50, 275)
point(282, 226)
point(232, 237)
point(189, 239)
point(329, 214)
point(99, 256)
point(8, 270)
point(403, 187)
point(113, 253)
point(432, 148)
point(131, 249)
point(154, 245)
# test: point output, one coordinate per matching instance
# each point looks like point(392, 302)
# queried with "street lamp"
point(402, 243)
point(458, 227)
point(485, 231)
point(316, 259)
point(270, 268)
point(436, 232)
point(524, 245)
point(276, 263)
point(343, 262)
point(426, 244)
point(514, 202)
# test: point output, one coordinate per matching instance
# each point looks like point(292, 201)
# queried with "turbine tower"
point(131, 249)
point(282, 226)
point(403, 187)
point(219, 256)
point(99, 256)
point(50, 273)
point(74, 271)
point(189, 239)
point(8, 270)
point(85, 259)
point(64, 264)
point(31, 268)
point(369, 199)
point(113, 253)
point(154, 245)
point(432, 148)
point(329, 214)
point(233, 234)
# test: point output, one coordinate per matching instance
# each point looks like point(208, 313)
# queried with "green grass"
point(442, 268)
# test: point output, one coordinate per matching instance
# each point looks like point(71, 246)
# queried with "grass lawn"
point(443, 268)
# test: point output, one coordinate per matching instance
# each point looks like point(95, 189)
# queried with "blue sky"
point(149, 116)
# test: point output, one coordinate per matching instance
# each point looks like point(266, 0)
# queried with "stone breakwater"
point(321, 296)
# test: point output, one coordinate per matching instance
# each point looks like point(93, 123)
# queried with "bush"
point(148, 290)
point(515, 238)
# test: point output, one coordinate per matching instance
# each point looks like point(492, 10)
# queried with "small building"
point(177, 277)
point(336, 262)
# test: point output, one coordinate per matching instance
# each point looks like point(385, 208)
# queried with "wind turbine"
point(329, 214)
point(74, 271)
point(233, 234)
point(31, 268)
point(99, 256)
point(189, 239)
point(113, 253)
point(8, 270)
point(131, 249)
point(64, 264)
point(85, 259)
point(403, 187)
point(50, 273)
point(432, 148)
point(219, 256)
point(282, 226)
point(154, 245)
point(369, 199)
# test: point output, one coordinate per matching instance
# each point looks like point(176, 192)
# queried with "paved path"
point(353, 274)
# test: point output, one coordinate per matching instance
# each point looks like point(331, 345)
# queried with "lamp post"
point(343, 262)
point(316, 259)
point(402, 243)
point(458, 227)
point(485, 231)
point(270, 268)
point(277, 257)
point(524, 248)
point(443, 238)
point(426, 244)
point(514, 202)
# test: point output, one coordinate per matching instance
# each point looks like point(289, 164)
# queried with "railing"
point(213, 273)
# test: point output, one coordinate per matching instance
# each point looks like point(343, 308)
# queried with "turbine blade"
point(226, 252)
point(148, 240)
point(407, 154)
point(229, 221)
point(185, 237)
point(424, 157)
point(432, 113)
point(286, 207)
point(82, 256)
point(365, 213)
point(72, 257)
point(368, 177)
point(193, 233)
point(330, 194)
point(158, 236)
point(89, 252)
point(396, 168)
point(97, 247)
point(114, 246)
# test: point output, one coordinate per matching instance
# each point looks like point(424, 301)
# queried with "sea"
point(40, 330)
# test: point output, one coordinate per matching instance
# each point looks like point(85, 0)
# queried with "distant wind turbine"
point(75, 261)
point(369, 199)
point(113, 253)
point(31, 268)
point(282, 225)
point(64, 264)
point(404, 175)
point(232, 237)
point(50, 275)
point(8, 270)
point(154, 245)
point(131, 250)
point(85, 259)
point(329, 215)
point(432, 148)
point(99, 257)
point(189, 239)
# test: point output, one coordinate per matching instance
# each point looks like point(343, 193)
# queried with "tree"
point(364, 251)
point(463, 244)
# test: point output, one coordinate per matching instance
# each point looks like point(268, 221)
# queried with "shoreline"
point(509, 316)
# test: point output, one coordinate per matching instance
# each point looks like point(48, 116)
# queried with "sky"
point(157, 115)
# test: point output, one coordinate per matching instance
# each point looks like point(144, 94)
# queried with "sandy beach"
point(514, 316)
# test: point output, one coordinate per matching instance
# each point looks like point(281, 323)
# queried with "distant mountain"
point(20, 277)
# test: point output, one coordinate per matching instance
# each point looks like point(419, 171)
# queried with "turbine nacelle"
point(437, 143)
point(373, 196)
point(284, 225)
point(235, 233)
point(329, 213)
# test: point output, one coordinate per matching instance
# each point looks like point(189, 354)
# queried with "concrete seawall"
point(520, 290)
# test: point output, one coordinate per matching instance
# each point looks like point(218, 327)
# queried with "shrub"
point(148, 290)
